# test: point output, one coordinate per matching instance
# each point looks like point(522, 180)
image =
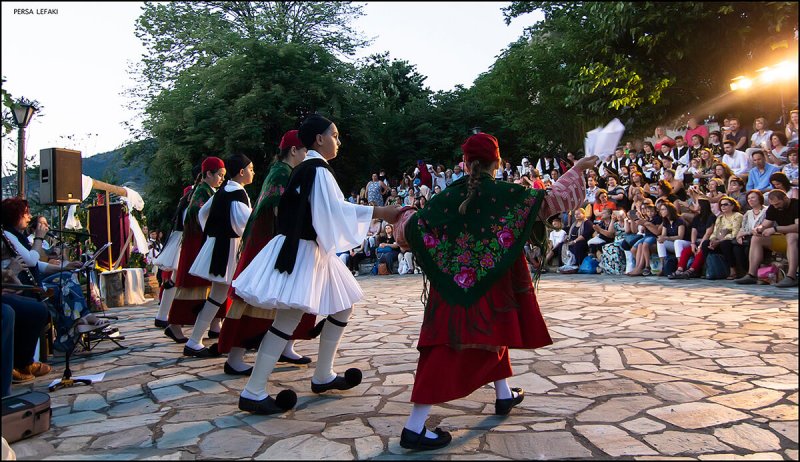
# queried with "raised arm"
point(569, 191)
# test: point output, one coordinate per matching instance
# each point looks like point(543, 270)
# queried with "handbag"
point(589, 265)
point(716, 267)
point(768, 274)
point(383, 269)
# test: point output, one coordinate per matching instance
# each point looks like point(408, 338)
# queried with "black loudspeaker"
point(60, 176)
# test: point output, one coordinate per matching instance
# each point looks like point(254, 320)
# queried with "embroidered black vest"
point(294, 212)
point(219, 227)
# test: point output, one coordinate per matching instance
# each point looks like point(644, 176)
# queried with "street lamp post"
point(23, 112)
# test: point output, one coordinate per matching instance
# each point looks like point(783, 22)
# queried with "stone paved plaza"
point(641, 368)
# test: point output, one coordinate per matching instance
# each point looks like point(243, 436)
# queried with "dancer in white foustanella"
point(298, 271)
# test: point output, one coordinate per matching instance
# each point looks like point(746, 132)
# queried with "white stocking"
point(416, 421)
point(501, 389)
point(328, 344)
point(167, 296)
point(236, 359)
point(216, 323)
point(289, 352)
point(268, 353)
point(219, 291)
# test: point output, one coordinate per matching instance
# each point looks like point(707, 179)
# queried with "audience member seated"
point(388, 249)
point(735, 189)
point(717, 239)
point(792, 127)
point(758, 177)
point(602, 203)
point(752, 218)
point(604, 233)
point(661, 138)
point(736, 160)
point(693, 128)
point(673, 229)
point(578, 236)
point(736, 134)
point(715, 145)
point(791, 169)
point(648, 224)
point(714, 194)
point(778, 232)
point(557, 236)
point(780, 181)
point(760, 139)
point(700, 229)
point(24, 320)
point(612, 260)
point(371, 242)
point(776, 154)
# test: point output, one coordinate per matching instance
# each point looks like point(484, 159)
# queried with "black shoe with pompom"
point(269, 405)
point(351, 378)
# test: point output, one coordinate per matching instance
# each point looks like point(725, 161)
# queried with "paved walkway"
point(641, 368)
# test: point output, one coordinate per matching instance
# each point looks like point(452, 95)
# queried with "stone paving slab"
point(645, 369)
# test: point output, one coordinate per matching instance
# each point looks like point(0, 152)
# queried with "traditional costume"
point(167, 260)
point(481, 300)
point(245, 325)
point(222, 219)
point(298, 272)
point(192, 291)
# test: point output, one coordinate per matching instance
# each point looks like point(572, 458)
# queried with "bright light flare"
point(741, 83)
point(769, 75)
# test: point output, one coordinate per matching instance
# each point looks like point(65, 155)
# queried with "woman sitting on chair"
point(71, 314)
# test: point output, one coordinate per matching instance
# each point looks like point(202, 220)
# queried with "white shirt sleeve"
point(240, 212)
point(30, 257)
point(202, 216)
point(340, 225)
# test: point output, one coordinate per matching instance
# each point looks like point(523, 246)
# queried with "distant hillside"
point(107, 166)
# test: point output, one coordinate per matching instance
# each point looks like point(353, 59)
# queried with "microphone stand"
point(66, 380)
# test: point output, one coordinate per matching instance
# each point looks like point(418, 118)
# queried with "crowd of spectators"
point(660, 206)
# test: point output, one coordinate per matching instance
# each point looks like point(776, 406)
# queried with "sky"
point(75, 58)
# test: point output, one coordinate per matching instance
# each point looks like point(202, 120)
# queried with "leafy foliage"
point(226, 77)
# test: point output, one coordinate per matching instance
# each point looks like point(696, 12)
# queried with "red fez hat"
point(481, 146)
point(290, 139)
point(212, 164)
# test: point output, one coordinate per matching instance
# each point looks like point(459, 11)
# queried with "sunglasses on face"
point(725, 203)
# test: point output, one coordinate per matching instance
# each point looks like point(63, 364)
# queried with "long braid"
point(194, 186)
point(475, 171)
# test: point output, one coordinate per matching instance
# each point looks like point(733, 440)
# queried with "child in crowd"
point(556, 237)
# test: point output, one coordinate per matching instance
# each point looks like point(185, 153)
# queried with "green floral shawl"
point(271, 191)
point(200, 196)
point(464, 255)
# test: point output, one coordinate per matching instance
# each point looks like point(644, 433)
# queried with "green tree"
point(648, 62)
point(181, 35)
point(241, 104)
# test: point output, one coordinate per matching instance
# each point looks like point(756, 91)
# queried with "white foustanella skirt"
point(167, 260)
point(202, 262)
point(320, 283)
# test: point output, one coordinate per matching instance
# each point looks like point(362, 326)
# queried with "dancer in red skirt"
point(192, 291)
point(481, 301)
point(245, 325)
